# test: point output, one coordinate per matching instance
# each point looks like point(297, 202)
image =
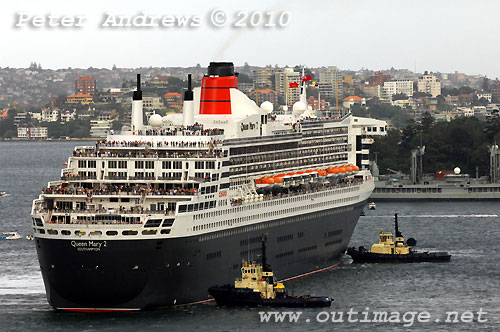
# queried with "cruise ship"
point(156, 214)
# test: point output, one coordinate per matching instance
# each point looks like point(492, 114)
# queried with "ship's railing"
point(103, 212)
point(195, 130)
point(160, 144)
point(298, 192)
point(153, 154)
point(172, 178)
point(115, 177)
point(113, 192)
point(142, 178)
point(305, 162)
point(70, 177)
point(288, 156)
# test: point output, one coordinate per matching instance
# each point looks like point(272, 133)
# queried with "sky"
point(438, 35)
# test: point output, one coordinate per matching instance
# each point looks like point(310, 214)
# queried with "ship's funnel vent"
point(221, 69)
point(215, 95)
point(138, 92)
point(188, 94)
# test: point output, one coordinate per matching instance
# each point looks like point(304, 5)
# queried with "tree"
point(7, 126)
point(460, 142)
point(419, 94)
point(426, 122)
point(246, 69)
point(399, 96)
point(486, 84)
point(244, 78)
point(492, 128)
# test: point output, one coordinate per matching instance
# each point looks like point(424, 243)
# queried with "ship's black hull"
point(364, 256)
point(141, 274)
point(229, 296)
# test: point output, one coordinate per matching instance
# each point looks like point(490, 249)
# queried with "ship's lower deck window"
point(214, 255)
point(168, 222)
point(149, 232)
point(165, 231)
point(153, 223)
point(306, 249)
point(129, 232)
point(331, 243)
point(111, 233)
point(284, 254)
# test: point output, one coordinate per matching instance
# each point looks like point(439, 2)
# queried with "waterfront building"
point(32, 132)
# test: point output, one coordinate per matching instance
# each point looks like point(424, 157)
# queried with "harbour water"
point(470, 231)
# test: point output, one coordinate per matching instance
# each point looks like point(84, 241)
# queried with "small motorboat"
point(29, 237)
point(3, 193)
point(10, 236)
point(395, 250)
point(258, 287)
point(372, 206)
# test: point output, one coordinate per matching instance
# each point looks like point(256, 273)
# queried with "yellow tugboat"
point(258, 287)
point(392, 249)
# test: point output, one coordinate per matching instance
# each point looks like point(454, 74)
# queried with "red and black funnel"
point(215, 95)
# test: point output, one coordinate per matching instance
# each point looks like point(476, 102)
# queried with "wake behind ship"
point(155, 215)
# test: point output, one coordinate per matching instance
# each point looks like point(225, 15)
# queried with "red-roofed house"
point(85, 85)
point(83, 99)
point(315, 103)
point(173, 99)
point(4, 114)
point(352, 100)
point(262, 95)
point(159, 80)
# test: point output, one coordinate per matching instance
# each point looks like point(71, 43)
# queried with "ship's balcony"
point(115, 177)
point(112, 213)
point(77, 178)
point(270, 194)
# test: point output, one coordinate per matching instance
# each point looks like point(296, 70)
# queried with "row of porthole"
point(99, 233)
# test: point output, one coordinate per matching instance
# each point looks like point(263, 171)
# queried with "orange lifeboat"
point(322, 173)
point(329, 172)
point(342, 170)
point(269, 180)
point(348, 169)
point(277, 180)
point(356, 168)
point(260, 183)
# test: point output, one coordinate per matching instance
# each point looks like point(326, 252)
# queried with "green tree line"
point(462, 142)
